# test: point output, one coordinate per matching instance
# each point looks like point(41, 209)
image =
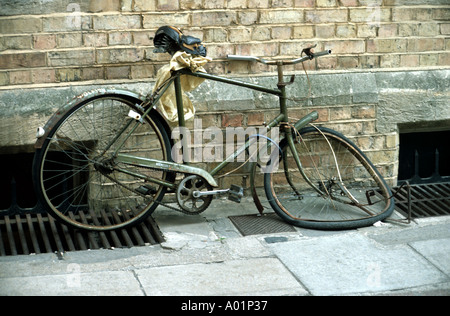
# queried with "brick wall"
point(67, 41)
point(388, 56)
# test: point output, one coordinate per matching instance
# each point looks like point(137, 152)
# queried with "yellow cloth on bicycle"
point(168, 104)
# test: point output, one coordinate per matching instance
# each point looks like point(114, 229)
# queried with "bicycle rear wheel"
point(340, 188)
point(76, 176)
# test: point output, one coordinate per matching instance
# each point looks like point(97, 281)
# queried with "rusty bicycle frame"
point(285, 129)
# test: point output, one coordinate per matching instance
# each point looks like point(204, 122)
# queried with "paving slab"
point(436, 251)
point(205, 255)
point(412, 233)
point(352, 263)
point(258, 276)
point(73, 284)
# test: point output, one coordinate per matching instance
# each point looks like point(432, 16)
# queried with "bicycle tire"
point(327, 203)
point(70, 172)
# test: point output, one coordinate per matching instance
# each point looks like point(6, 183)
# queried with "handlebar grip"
point(323, 53)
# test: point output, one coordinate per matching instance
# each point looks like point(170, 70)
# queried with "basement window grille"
point(16, 185)
point(424, 157)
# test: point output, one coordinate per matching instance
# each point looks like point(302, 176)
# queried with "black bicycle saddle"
point(169, 39)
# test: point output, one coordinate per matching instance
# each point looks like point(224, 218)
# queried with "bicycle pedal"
point(146, 190)
point(235, 193)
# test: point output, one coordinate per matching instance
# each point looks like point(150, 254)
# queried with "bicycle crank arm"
point(235, 193)
point(198, 194)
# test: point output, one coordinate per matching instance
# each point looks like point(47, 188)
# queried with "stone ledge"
point(399, 97)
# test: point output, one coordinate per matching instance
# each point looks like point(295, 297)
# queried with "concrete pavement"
point(205, 255)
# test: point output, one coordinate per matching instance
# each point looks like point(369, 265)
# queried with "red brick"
point(346, 46)
point(323, 115)
point(444, 59)
point(387, 30)
point(409, 60)
point(44, 41)
point(304, 3)
point(95, 40)
point(349, 3)
point(68, 40)
point(364, 112)
point(255, 119)
point(297, 114)
point(232, 120)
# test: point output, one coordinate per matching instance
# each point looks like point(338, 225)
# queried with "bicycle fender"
point(128, 95)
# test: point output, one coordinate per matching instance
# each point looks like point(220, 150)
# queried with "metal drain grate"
point(40, 233)
point(265, 224)
point(424, 200)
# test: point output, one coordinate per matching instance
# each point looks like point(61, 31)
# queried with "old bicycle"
point(103, 162)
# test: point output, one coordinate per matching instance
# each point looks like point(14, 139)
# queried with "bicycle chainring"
point(185, 197)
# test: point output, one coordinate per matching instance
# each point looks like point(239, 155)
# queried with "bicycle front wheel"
point(75, 173)
point(338, 188)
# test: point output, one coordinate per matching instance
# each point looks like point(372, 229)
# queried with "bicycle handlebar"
point(323, 53)
point(275, 62)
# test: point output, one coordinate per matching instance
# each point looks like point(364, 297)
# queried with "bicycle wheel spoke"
point(332, 189)
point(77, 173)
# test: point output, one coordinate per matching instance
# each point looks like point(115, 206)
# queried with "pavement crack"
point(139, 282)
